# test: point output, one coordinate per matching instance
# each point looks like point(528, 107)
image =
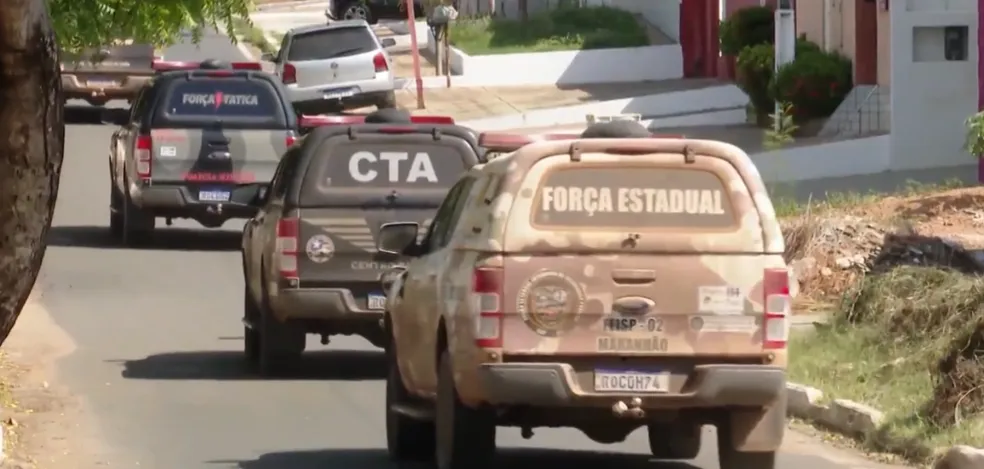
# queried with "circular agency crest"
point(320, 248)
point(550, 303)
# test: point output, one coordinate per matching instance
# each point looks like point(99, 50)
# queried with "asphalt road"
point(158, 354)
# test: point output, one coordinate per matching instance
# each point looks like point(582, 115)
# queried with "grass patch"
point(253, 35)
point(560, 29)
point(789, 207)
point(909, 342)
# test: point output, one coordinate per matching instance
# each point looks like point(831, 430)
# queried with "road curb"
point(861, 421)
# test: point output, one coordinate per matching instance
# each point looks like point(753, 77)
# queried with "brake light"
point(379, 61)
point(142, 155)
point(497, 141)
point(287, 231)
point(289, 76)
point(351, 119)
point(290, 139)
point(487, 297)
point(247, 66)
point(777, 304)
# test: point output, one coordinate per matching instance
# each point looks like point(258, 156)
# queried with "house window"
point(940, 43)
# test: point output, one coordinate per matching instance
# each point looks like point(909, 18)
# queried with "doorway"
point(865, 42)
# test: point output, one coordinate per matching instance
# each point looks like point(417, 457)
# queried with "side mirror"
point(268, 57)
point(397, 238)
point(115, 116)
point(388, 42)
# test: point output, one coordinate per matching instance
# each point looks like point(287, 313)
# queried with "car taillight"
point(775, 320)
point(142, 154)
point(487, 297)
point(287, 247)
point(290, 74)
point(290, 139)
point(379, 61)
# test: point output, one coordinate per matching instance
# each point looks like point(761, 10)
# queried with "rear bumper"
point(179, 201)
point(322, 304)
point(369, 92)
point(76, 85)
point(550, 384)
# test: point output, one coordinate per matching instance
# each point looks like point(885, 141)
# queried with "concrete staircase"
point(867, 109)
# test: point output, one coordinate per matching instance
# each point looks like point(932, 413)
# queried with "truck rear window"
point(635, 197)
point(229, 99)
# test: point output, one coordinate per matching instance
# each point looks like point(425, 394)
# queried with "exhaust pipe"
point(631, 410)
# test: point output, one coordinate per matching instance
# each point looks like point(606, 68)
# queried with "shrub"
point(815, 83)
point(747, 27)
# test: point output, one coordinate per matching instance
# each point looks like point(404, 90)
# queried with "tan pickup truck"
point(111, 72)
point(604, 285)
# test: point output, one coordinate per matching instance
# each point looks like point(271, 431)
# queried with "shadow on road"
point(506, 458)
point(83, 115)
point(343, 365)
point(164, 239)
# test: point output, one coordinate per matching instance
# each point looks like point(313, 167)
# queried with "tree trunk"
point(32, 136)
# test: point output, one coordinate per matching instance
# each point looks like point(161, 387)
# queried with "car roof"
point(327, 26)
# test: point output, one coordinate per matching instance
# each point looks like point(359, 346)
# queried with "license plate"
point(339, 93)
point(103, 83)
point(377, 301)
point(213, 196)
point(631, 381)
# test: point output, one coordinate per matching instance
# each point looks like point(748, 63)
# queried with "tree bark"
point(32, 136)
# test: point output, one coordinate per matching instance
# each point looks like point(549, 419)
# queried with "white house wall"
point(931, 96)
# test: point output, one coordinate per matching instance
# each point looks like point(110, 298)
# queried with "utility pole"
point(412, 24)
point(785, 49)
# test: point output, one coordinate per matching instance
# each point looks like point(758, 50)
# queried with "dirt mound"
point(832, 249)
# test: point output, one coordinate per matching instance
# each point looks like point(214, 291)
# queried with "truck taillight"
point(777, 306)
point(289, 76)
point(379, 61)
point(487, 297)
point(143, 156)
point(287, 230)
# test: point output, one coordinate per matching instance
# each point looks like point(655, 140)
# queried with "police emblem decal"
point(550, 303)
point(320, 248)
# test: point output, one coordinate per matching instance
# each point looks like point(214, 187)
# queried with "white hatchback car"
point(335, 66)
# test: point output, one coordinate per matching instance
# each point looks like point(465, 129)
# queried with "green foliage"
point(975, 135)
point(815, 83)
point(81, 24)
point(747, 27)
point(563, 28)
point(783, 127)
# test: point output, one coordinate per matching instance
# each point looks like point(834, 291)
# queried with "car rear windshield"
point(135, 56)
point(331, 44)
point(228, 100)
point(636, 197)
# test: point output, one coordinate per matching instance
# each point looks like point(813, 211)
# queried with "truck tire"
point(115, 212)
point(251, 336)
point(465, 436)
point(138, 226)
point(674, 440)
point(387, 101)
point(281, 344)
point(407, 439)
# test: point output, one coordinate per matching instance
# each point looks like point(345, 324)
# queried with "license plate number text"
point(377, 301)
point(631, 381)
point(213, 196)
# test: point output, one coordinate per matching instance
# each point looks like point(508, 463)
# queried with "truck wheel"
point(115, 212)
point(465, 436)
point(407, 439)
point(387, 101)
point(280, 345)
point(138, 226)
point(674, 441)
point(729, 458)
point(251, 336)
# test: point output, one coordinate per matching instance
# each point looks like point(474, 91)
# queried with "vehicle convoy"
point(197, 143)
point(116, 71)
point(601, 284)
point(335, 66)
point(309, 259)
